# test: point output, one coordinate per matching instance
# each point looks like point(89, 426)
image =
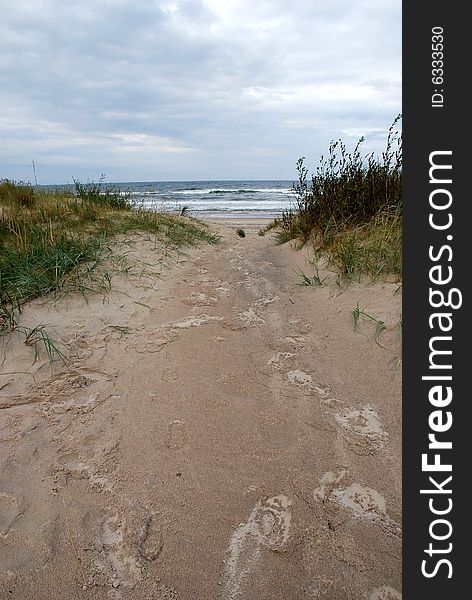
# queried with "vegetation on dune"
point(50, 241)
point(351, 209)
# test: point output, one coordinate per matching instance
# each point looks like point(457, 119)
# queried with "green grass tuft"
point(37, 337)
point(314, 280)
point(95, 195)
point(379, 325)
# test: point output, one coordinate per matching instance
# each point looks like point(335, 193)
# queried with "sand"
point(220, 432)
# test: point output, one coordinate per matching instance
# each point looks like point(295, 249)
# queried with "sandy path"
point(222, 433)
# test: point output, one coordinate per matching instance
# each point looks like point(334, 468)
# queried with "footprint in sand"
point(150, 346)
point(202, 319)
point(175, 438)
point(28, 523)
point(279, 359)
point(268, 527)
point(361, 500)
point(250, 318)
point(11, 508)
point(126, 539)
point(223, 290)
point(304, 379)
point(385, 593)
point(327, 483)
point(150, 540)
point(299, 377)
point(296, 341)
point(362, 428)
point(170, 374)
point(117, 560)
point(69, 467)
point(262, 302)
point(200, 299)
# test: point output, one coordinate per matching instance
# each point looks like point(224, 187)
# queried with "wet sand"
point(220, 432)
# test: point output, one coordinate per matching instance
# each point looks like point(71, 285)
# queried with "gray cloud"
point(146, 90)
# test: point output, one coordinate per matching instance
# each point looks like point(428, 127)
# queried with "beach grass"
point(380, 326)
point(350, 209)
point(315, 280)
point(52, 239)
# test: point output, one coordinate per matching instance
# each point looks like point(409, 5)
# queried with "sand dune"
point(220, 432)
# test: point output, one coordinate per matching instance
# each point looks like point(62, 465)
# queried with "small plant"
point(315, 280)
point(37, 336)
point(34, 336)
point(121, 329)
point(282, 236)
point(8, 319)
point(241, 233)
point(379, 325)
point(184, 210)
point(272, 225)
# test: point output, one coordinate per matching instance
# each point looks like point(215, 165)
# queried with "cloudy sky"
point(146, 90)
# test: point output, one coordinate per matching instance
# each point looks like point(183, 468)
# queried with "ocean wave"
point(219, 206)
point(142, 193)
point(216, 209)
point(270, 198)
point(232, 191)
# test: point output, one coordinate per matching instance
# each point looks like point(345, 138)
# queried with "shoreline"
point(251, 222)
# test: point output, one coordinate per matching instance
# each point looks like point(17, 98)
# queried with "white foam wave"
point(202, 191)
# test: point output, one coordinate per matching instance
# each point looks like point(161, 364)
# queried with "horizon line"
point(105, 182)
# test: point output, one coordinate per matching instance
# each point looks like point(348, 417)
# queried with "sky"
point(151, 90)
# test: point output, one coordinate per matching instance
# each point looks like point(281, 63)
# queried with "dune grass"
point(50, 239)
point(380, 326)
point(351, 209)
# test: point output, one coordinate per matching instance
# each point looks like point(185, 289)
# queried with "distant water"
point(213, 199)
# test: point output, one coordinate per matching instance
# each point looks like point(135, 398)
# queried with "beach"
point(220, 431)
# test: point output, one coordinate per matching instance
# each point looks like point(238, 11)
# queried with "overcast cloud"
point(193, 89)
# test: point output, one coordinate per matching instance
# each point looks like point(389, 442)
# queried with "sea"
point(212, 199)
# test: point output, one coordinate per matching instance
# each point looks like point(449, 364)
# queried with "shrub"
point(351, 208)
